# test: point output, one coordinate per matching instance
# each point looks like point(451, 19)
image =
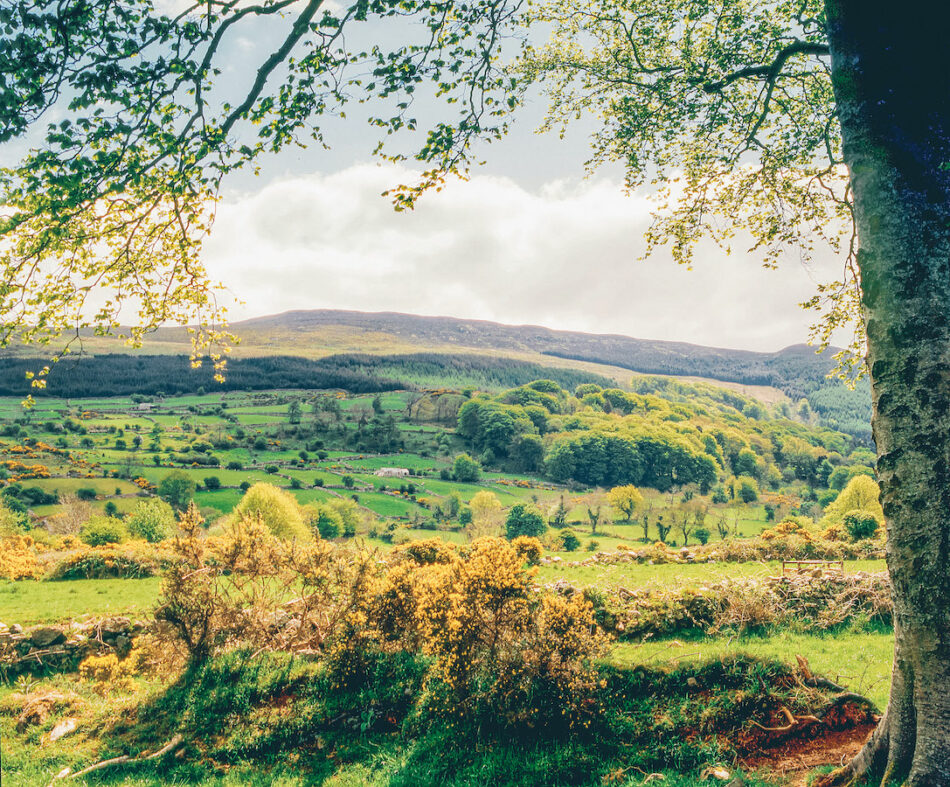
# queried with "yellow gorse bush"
point(18, 558)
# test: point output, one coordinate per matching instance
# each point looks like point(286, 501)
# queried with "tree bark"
point(891, 77)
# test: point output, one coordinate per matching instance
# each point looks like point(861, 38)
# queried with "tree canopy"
point(130, 127)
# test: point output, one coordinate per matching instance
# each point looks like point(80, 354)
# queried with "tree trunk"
point(891, 80)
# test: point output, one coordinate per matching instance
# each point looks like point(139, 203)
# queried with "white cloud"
point(565, 256)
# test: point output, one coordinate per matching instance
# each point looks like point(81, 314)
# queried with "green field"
point(28, 603)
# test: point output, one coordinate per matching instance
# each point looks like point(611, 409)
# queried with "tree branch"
point(771, 71)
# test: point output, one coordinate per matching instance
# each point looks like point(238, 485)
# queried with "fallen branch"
point(173, 744)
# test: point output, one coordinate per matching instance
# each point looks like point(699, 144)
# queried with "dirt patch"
point(796, 757)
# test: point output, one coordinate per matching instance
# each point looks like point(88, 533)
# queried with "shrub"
point(861, 524)
point(103, 530)
point(177, 489)
point(569, 541)
point(702, 535)
point(18, 558)
point(272, 469)
point(212, 482)
point(748, 489)
point(295, 483)
point(324, 520)
point(466, 469)
point(235, 465)
point(276, 508)
point(152, 519)
point(529, 548)
point(524, 520)
point(86, 493)
point(125, 561)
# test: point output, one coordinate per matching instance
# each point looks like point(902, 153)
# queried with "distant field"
point(634, 575)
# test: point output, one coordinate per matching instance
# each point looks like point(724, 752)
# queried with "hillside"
point(796, 371)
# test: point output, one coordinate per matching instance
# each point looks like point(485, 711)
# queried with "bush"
point(276, 508)
point(152, 519)
point(18, 558)
point(524, 520)
point(702, 535)
point(569, 541)
point(103, 530)
point(177, 489)
point(127, 561)
point(323, 519)
point(234, 465)
point(212, 482)
point(861, 524)
point(272, 469)
point(529, 548)
point(466, 469)
point(86, 493)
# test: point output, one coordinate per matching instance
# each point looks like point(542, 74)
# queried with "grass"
point(633, 575)
point(29, 602)
point(858, 660)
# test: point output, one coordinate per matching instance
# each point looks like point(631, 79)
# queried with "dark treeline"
point(123, 375)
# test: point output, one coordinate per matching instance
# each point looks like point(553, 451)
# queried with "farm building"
point(392, 472)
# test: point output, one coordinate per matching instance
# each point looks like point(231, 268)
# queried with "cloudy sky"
point(527, 240)
point(565, 254)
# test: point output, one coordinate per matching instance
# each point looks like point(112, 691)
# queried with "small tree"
point(524, 519)
point(466, 469)
point(177, 489)
point(748, 489)
point(663, 528)
point(861, 524)
point(487, 514)
point(569, 541)
point(626, 499)
point(702, 535)
point(276, 508)
point(558, 514)
point(152, 519)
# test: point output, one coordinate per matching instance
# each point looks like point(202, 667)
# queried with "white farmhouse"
point(392, 472)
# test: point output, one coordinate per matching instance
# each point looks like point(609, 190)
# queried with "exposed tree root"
point(173, 744)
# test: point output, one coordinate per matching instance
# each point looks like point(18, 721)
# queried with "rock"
point(46, 636)
point(716, 772)
point(114, 625)
point(16, 628)
point(692, 682)
point(64, 727)
point(123, 645)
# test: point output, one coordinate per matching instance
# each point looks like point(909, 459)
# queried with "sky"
point(566, 254)
point(527, 240)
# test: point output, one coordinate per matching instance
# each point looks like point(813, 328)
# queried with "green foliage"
point(861, 524)
point(747, 490)
point(862, 494)
point(569, 541)
point(524, 520)
point(152, 519)
point(177, 489)
point(466, 469)
point(276, 508)
point(325, 520)
point(102, 530)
